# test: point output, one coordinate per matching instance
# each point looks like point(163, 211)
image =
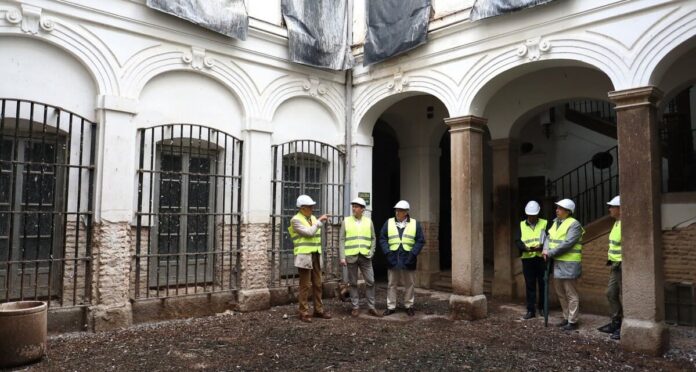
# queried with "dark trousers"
point(533, 270)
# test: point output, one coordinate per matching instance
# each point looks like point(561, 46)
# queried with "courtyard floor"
point(276, 340)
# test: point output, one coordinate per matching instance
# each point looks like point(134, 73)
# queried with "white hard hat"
point(303, 200)
point(402, 204)
point(359, 201)
point(615, 202)
point(532, 208)
point(566, 204)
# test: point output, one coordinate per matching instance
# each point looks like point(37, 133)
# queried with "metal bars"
point(187, 228)
point(315, 169)
point(589, 186)
point(46, 207)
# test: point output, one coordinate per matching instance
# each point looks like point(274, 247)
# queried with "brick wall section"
point(254, 262)
point(111, 275)
point(679, 247)
point(75, 265)
point(431, 232)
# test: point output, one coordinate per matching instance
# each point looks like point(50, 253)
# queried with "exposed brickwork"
point(679, 247)
point(75, 267)
point(111, 274)
point(254, 263)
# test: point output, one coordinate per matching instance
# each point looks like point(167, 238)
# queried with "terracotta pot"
point(23, 328)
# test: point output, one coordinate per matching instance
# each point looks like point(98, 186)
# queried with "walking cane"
point(546, 292)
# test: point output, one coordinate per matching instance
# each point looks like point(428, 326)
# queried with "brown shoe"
point(355, 313)
point(323, 315)
point(305, 318)
point(374, 313)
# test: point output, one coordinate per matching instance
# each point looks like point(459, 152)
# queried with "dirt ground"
point(276, 340)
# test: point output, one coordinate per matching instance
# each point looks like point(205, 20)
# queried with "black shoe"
point(570, 327)
point(388, 312)
point(616, 335)
point(563, 323)
point(529, 315)
point(607, 328)
point(410, 311)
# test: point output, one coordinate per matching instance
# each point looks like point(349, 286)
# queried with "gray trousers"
point(406, 278)
point(614, 293)
point(365, 265)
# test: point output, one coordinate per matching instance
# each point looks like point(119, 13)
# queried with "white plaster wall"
point(305, 118)
point(678, 215)
point(191, 98)
point(265, 10)
point(24, 73)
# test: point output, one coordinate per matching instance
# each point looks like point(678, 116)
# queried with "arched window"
point(187, 221)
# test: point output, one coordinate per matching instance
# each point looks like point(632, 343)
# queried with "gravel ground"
point(276, 340)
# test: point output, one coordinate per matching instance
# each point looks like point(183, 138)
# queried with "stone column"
point(256, 233)
point(467, 300)
point(111, 308)
point(420, 185)
point(504, 221)
point(643, 326)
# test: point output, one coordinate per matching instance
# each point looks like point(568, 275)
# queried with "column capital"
point(635, 97)
point(466, 123)
point(117, 103)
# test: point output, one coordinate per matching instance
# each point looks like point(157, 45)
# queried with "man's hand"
point(343, 262)
point(323, 218)
point(546, 256)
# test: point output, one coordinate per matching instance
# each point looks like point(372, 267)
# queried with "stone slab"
point(468, 307)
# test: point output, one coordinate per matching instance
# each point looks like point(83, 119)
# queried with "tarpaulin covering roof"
point(394, 27)
point(228, 17)
point(491, 8)
point(318, 33)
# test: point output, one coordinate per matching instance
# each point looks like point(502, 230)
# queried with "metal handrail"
point(588, 186)
point(599, 109)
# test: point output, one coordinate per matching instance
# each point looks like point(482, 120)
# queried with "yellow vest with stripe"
point(407, 239)
point(614, 253)
point(557, 234)
point(358, 236)
point(305, 244)
point(530, 237)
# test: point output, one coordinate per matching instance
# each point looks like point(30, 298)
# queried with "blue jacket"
point(401, 259)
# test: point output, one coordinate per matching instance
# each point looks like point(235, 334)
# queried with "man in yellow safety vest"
point(357, 242)
point(305, 232)
point(401, 240)
point(614, 260)
point(564, 247)
point(530, 243)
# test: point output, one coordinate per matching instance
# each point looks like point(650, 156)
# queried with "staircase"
point(597, 116)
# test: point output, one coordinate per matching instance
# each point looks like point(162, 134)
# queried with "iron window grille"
point(46, 204)
point(315, 169)
point(187, 228)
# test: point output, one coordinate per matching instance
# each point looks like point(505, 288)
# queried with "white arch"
point(372, 101)
point(151, 63)
point(504, 67)
point(81, 45)
point(289, 87)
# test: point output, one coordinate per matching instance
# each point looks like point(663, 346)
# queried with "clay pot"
point(23, 328)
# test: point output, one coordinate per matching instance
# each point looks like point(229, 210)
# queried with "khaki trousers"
point(311, 278)
point(568, 297)
point(406, 278)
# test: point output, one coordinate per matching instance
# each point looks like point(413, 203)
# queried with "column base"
point(254, 299)
point(644, 336)
point(468, 307)
point(108, 318)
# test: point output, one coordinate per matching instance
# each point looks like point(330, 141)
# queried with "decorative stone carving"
point(398, 83)
point(31, 20)
point(314, 86)
point(197, 59)
point(532, 48)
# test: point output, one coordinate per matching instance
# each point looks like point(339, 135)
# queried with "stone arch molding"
point(286, 87)
point(368, 100)
point(31, 21)
point(149, 63)
point(675, 29)
point(584, 49)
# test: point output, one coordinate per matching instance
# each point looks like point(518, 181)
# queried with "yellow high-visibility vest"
point(557, 234)
point(407, 239)
point(530, 237)
point(358, 236)
point(305, 244)
point(614, 253)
